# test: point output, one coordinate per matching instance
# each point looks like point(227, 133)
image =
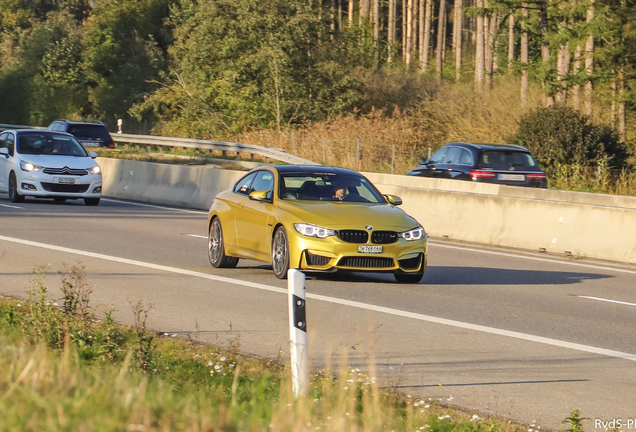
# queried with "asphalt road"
point(526, 336)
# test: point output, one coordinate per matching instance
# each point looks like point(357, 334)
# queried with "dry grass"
point(456, 113)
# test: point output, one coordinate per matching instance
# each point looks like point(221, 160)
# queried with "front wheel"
point(216, 247)
point(408, 278)
point(14, 196)
point(91, 201)
point(280, 253)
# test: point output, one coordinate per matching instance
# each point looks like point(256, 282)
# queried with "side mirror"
point(423, 161)
point(92, 154)
point(4, 152)
point(260, 195)
point(393, 200)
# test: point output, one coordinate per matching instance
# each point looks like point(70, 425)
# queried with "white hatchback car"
point(47, 164)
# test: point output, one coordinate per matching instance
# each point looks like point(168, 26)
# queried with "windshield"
point(50, 144)
point(87, 131)
point(505, 160)
point(327, 187)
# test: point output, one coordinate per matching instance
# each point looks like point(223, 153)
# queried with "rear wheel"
point(410, 278)
point(216, 247)
point(14, 196)
point(280, 253)
point(91, 201)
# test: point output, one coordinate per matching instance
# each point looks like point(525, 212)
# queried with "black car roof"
point(81, 122)
point(32, 131)
point(511, 147)
point(302, 169)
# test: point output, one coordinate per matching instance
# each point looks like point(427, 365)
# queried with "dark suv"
point(506, 164)
point(89, 133)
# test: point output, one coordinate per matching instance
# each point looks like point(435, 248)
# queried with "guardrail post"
point(298, 332)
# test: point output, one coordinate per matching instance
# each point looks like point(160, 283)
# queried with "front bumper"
point(49, 186)
point(331, 254)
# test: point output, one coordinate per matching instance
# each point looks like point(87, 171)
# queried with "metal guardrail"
point(251, 149)
point(160, 142)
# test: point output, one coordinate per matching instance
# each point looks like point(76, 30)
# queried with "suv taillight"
point(536, 176)
point(475, 174)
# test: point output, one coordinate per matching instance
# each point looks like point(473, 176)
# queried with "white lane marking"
point(512, 255)
point(195, 235)
point(155, 206)
point(353, 304)
point(607, 300)
point(10, 206)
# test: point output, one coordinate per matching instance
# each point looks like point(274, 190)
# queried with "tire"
point(59, 199)
point(280, 253)
point(91, 201)
point(408, 278)
point(216, 247)
point(14, 196)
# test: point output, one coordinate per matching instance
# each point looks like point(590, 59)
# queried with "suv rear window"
point(86, 131)
point(506, 160)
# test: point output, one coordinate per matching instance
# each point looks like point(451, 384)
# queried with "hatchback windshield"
point(504, 160)
point(327, 187)
point(50, 144)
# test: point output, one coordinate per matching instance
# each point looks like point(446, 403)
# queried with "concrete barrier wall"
point(580, 224)
point(176, 185)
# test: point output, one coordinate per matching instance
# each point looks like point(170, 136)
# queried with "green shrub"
point(560, 135)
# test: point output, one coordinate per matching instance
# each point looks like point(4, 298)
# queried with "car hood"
point(338, 215)
point(52, 161)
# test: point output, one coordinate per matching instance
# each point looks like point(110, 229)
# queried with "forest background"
point(324, 78)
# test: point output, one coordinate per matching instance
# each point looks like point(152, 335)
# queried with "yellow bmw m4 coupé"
point(315, 218)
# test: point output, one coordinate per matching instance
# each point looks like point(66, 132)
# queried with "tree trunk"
point(613, 103)
point(439, 64)
point(511, 41)
point(404, 18)
point(563, 68)
point(548, 99)
point(427, 35)
point(589, 62)
point(376, 30)
point(364, 11)
point(409, 33)
point(391, 35)
point(489, 47)
point(524, 57)
point(350, 13)
point(576, 88)
point(479, 47)
point(457, 37)
point(495, 43)
point(339, 15)
point(622, 124)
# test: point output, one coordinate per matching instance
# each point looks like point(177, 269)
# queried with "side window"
point(10, 143)
point(452, 157)
point(438, 156)
point(3, 138)
point(243, 185)
point(264, 181)
point(465, 158)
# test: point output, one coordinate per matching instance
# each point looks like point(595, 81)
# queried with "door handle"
point(242, 204)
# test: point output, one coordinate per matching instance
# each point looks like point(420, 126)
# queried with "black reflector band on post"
point(299, 314)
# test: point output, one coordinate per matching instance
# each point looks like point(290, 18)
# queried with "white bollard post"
point(120, 123)
point(298, 332)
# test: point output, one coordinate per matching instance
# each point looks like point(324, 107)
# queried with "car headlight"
point(28, 166)
point(313, 230)
point(94, 170)
point(414, 234)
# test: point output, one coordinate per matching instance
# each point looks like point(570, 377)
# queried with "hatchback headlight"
point(94, 170)
point(29, 167)
point(414, 234)
point(313, 230)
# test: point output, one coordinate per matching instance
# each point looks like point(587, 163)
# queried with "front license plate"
point(513, 177)
point(369, 249)
point(65, 180)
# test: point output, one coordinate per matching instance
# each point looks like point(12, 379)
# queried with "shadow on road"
point(496, 276)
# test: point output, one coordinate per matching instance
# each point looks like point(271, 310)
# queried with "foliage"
point(246, 63)
point(562, 135)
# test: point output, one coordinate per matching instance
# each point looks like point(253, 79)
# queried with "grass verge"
point(65, 369)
